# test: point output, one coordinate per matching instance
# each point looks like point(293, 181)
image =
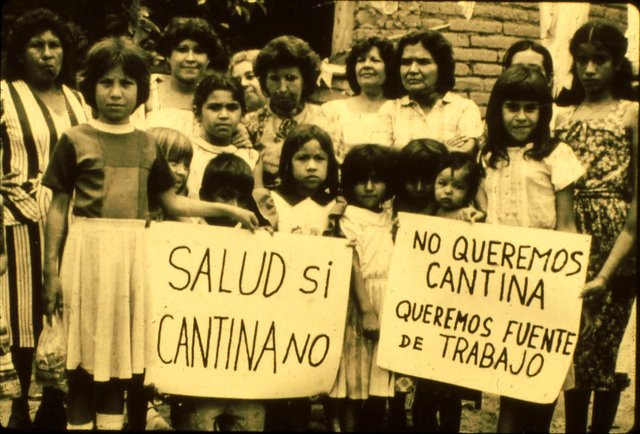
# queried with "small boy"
point(218, 105)
point(227, 179)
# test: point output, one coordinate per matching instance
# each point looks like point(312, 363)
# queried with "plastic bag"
point(51, 356)
point(9, 382)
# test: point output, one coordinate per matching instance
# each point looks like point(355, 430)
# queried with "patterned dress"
point(601, 203)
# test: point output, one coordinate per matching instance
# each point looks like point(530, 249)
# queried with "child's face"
point(188, 61)
point(116, 96)
point(220, 117)
point(451, 188)
point(370, 193)
point(230, 196)
point(595, 68)
point(520, 119)
point(309, 167)
point(419, 191)
point(180, 171)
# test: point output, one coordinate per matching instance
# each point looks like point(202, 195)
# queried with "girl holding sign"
point(305, 202)
point(367, 179)
point(111, 169)
point(601, 126)
point(528, 183)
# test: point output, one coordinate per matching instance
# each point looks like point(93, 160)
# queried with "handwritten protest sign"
point(240, 315)
point(488, 307)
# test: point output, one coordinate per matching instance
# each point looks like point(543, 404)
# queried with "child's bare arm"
point(565, 218)
point(370, 322)
point(184, 206)
point(55, 232)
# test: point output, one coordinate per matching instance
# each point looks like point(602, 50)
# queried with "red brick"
point(466, 84)
point(480, 98)
point(457, 39)
point(487, 69)
point(476, 54)
point(489, 82)
point(522, 30)
point(483, 112)
point(462, 69)
point(441, 8)
point(597, 11)
point(534, 17)
point(526, 5)
point(492, 41)
point(430, 23)
point(499, 12)
point(477, 26)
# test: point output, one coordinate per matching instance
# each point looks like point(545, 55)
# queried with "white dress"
point(306, 217)
point(348, 128)
point(359, 375)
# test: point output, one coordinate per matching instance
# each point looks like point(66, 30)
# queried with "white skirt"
point(103, 288)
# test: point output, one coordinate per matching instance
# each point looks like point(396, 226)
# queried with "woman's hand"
point(460, 143)
point(370, 326)
point(52, 295)
point(594, 288)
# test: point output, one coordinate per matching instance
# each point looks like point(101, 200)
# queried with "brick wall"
point(479, 44)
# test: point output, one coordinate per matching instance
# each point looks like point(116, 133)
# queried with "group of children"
point(116, 174)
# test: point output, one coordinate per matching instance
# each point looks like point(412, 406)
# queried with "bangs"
point(526, 89)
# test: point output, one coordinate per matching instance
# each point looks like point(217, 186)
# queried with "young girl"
point(304, 201)
point(367, 175)
point(528, 183)
point(416, 170)
point(456, 185)
point(110, 168)
point(601, 126)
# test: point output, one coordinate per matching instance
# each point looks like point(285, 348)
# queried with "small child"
point(456, 185)
point(227, 179)
point(218, 105)
point(112, 170)
point(367, 178)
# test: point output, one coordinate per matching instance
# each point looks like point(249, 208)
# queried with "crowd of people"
point(85, 164)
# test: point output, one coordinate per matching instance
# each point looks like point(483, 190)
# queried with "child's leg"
point(349, 414)
point(299, 414)
point(333, 408)
point(136, 403)
point(109, 404)
point(450, 408)
point(22, 359)
point(80, 399)
point(397, 412)
point(373, 411)
point(425, 406)
point(523, 416)
point(576, 408)
point(605, 407)
point(243, 415)
point(509, 415)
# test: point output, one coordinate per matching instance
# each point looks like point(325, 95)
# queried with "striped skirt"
point(21, 286)
point(103, 288)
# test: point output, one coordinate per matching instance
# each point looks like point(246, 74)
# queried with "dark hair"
point(525, 45)
point(174, 145)
point(441, 51)
point(213, 82)
point(199, 30)
point(108, 53)
point(289, 51)
point(459, 160)
point(609, 38)
point(298, 136)
point(388, 55)
point(420, 159)
point(364, 162)
point(519, 82)
point(226, 170)
point(29, 25)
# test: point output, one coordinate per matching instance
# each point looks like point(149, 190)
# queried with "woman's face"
point(284, 86)
point(243, 72)
point(418, 70)
point(188, 61)
point(594, 67)
point(43, 58)
point(369, 69)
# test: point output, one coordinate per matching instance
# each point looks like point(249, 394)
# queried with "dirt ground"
point(485, 419)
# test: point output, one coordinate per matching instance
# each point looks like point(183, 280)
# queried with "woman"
point(241, 68)
point(189, 44)
point(288, 70)
point(355, 120)
point(431, 110)
point(37, 106)
point(602, 128)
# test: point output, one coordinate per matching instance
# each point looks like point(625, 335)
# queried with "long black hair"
point(366, 162)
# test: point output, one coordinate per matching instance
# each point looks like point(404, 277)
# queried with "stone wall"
point(479, 43)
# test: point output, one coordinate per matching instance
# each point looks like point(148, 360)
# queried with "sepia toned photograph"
point(318, 216)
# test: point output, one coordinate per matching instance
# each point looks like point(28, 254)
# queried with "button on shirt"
point(450, 116)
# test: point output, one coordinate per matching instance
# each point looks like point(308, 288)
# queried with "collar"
point(111, 128)
point(446, 99)
point(299, 109)
point(293, 198)
point(214, 149)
